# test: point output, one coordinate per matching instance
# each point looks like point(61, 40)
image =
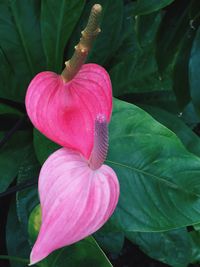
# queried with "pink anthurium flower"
point(64, 107)
point(77, 195)
point(65, 111)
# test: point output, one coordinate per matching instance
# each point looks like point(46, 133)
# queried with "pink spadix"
point(77, 195)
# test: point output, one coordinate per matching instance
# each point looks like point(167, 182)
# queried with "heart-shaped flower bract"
point(65, 111)
point(75, 200)
point(64, 107)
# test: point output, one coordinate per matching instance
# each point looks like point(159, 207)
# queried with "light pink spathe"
point(75, 200)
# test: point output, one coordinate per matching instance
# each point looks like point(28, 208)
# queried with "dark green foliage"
point(151, 49)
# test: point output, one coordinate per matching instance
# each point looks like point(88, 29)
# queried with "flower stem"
point(84, 46)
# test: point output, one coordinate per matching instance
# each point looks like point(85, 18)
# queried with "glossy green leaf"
point(27, 199)
point(181, 69)
point(43, 146)
point(159, 184)
point(127, 42)
point(195, 240)
point(175, 123)
point(21, 52)
point(109, 39)
point(110, 238)
point(58, 19)
point(11, 156)
point(190, 115)
point(17, 244)
point(173, 27)
point(110, 242)
point(138, 74)
point(137, 71)
point(83, 253)
point(172, 247)
point(148, 6)
point(14, 259)
point(10, 116)
point(162, 99)
point(146, 28)
point(7, 110)
point(194, 65)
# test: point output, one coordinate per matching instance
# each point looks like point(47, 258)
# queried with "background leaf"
point(161, 99)
point(156, 167)
point(194, 64)
point(9, 117)
point(181, 69)
point(43, 146)
point(58, 19)
point(8, 110)
point(172, 247)
point(173, 27)
point(17, 244)
point(27, 199)
point(148, 6)
point(136, 70)
point(174, 123)
point(110, 238)
point(21, 50)
point(195, 246)
point(11, 156)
